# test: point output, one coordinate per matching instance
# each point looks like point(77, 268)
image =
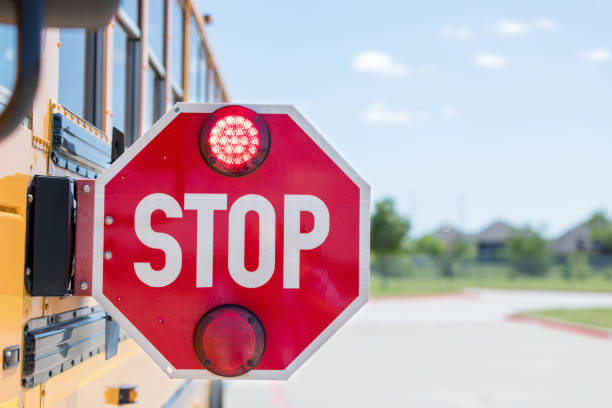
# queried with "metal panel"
point(57, 343)
point(76, 149)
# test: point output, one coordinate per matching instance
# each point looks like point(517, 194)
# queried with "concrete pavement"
point(448, 351)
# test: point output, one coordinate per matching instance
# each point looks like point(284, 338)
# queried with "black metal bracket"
point(49, 236)
point(118, 144)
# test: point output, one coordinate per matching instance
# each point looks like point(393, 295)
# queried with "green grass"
point(417, 276)
point(589, 317)
point(407, 287)
point(416, 285)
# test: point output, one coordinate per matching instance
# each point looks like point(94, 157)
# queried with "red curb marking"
point(568, 327)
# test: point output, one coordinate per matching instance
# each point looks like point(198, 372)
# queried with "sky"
point(463, 112)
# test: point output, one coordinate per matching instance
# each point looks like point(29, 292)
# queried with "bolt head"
point(84, 285)
point(108, 220)
point(30, 198)
point(108, 255)
point(86, 188)
point(28, 271)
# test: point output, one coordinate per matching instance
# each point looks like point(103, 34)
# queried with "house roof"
point(576, 239)
point(496, 232)
point(449, 234)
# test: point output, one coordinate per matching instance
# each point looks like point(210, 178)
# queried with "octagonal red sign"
point(175, 239)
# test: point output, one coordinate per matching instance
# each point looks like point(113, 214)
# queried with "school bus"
point(98, 89)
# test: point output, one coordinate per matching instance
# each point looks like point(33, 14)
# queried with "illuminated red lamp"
point(229, 340)
point(234, 140)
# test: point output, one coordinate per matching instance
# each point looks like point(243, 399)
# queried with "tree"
point(577, 267)
point(446, 256)
point(527, 253)
point(460, 253)
point(600, 228)
point(430, 245)
point(388, 234)
point(463, 251)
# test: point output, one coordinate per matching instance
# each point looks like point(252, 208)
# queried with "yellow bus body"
point(27, 152)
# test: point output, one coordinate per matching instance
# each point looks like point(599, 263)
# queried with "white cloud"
point(514, 28)
point(377, 62)
point(459, 33)
point(511, 27)
point(545, 24)
point(598, 55)
point(485, 60)
point(378, 113)
point(450, 112)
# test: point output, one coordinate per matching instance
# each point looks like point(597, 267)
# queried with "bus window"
point(157, 22)
point(81, 73)
point(120, 51)
point(156, 72)
point(126, 57)
point(177, 50)
point(211, 88)
point(8, 62)
point(155, 98)
point(131, 9)
point(197, 64)
point(71, 92)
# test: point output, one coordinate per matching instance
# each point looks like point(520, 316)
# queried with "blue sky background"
point(464, 112)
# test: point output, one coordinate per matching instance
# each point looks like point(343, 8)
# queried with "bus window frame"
point(94, 77)
point(176, 89)
point(133, 75)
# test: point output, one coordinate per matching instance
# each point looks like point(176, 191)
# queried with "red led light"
point(234, 140)
point(229, 340)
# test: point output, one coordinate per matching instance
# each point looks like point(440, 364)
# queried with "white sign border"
point(364, 241)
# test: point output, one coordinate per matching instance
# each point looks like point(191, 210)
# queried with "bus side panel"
point(84, 385)
point(31, 397)
point(12, 255)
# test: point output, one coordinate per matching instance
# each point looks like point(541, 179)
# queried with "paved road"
point(455, 351)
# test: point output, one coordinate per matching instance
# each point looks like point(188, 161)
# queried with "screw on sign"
point(231, 241)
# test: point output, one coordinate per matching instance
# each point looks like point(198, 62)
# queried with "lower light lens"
point(229, 340)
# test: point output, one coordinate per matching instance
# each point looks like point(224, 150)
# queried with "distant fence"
point(422, 266)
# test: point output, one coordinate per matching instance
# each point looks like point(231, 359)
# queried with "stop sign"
point(231, 241)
